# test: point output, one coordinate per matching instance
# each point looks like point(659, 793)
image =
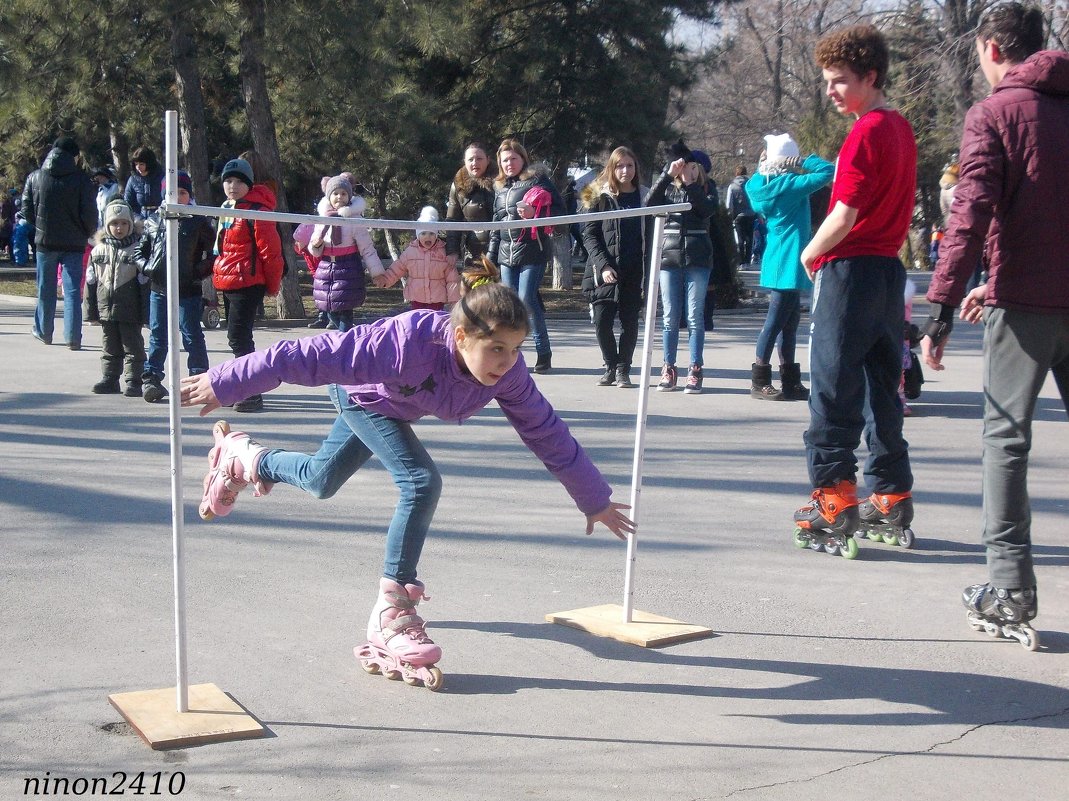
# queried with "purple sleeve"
point(365, 354)
point(548, 437)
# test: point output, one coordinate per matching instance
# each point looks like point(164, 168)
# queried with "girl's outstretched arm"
point(615, 520)
point(197, 391)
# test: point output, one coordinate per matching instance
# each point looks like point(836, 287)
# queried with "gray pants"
point(1020, 348)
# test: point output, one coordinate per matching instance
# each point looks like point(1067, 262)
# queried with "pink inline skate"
point(232, 467)
point(398, 645)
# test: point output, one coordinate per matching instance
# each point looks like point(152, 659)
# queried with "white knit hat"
point(428, 214)
point(780, 146)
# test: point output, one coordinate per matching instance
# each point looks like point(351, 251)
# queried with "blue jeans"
point(44, 318)
point(355, 436)
point(525, 280)
point(781, 325)
point(189, 313)
point(677, 284)
point(855, 365)
point(343, 320)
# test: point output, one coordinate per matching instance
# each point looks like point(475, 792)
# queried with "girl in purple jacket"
point(382, 377)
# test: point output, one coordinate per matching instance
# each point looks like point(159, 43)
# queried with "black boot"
point(544, 363)
point(761, 383)
point(254, 403)
point(108, 385)
point(623, 376)
point(790, 375)
point(152, 388)
point(609, 378)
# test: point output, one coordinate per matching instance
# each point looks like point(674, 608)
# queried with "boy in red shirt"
point(858, 308)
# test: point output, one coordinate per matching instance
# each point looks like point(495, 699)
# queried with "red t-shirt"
point(876, 173)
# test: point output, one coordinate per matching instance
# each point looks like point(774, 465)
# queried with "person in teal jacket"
point(779, 191)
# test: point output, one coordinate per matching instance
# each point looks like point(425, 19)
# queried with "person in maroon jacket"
point(1011, 203)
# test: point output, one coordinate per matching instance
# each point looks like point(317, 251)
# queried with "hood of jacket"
point(589, 194)
point(465, 184)
point(260, 194)
point(1046, 71)
point(356, 208)
point(59, 163)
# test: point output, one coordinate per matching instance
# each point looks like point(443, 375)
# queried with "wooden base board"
point(213, 717)
point(645, 629)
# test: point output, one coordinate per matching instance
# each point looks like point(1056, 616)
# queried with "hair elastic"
point(475, 319)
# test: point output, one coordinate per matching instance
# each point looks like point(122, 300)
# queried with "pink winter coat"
point(432, 276)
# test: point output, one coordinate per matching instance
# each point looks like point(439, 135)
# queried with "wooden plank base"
point(213, 717)
point(645, 629)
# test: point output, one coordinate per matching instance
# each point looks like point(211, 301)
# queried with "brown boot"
point(761, 383)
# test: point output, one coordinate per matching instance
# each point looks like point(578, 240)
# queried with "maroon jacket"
point(1012, 199)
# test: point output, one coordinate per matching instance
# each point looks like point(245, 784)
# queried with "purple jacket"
point(405, 367)
point(1012, 198)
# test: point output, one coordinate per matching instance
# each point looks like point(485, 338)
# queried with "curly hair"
point(859, 48)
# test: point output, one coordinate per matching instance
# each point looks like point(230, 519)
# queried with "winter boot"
point(790, 376)
point(544, 363)
point(623, 376)
point(152, 388)
point(761, 383)
point(108, 385)
point(609, 378)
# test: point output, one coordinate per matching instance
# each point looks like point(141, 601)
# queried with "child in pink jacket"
point(432, 277)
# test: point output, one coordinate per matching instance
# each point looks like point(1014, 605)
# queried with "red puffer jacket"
point(1012, 196)
point(247, 261)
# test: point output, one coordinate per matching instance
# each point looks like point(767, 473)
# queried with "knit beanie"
point(780, 146)
point(238, 168)
point(184, 182)
point(118, 210)
point(67, 144)
point(428, 214)
point(343, 181)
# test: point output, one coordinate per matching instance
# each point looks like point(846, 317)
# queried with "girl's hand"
point(676, 167)
point(379, 281)
point(316, 243)
point(196, 390)
point(614, 520)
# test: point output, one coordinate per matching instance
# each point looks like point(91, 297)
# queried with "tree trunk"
point(120, 152)
point(190, 106)
point(562, 258)
point(264, 139)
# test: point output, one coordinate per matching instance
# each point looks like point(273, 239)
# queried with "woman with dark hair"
point(143, 192)
point(615, 265)
point(471, 199)
point(523, 253)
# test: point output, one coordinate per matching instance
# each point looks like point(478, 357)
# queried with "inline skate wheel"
point(831, 548)
point(849, 550)
point(369, 666)
point(800, 539)
point(436, 681)
point(1028, 638)
point(975, 623)
point(411, 681)
point(875, 536)
point(906, 539)
point(889, 539)
point(392, 675)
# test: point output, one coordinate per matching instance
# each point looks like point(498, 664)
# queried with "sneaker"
point(40, 337)
point(107, 386)
point(609, 378)
point(694, 381)
point(623, 376)
point(668, 379)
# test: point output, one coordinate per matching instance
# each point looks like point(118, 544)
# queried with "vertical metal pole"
point(643, 403)
point(174, 352)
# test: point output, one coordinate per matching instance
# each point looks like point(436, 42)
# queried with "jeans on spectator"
point(355, 436)
point(525, 280)
point(44, 317)
point(189, 314)
point(681, 285)
point(781, 325)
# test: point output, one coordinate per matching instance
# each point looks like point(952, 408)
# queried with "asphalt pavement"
point(826, 678)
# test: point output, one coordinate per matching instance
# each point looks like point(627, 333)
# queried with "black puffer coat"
point(470, 200)
point(507, 248)
point(60, 201)
point(686, 235)
point(196, 240)
point(602, 241)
